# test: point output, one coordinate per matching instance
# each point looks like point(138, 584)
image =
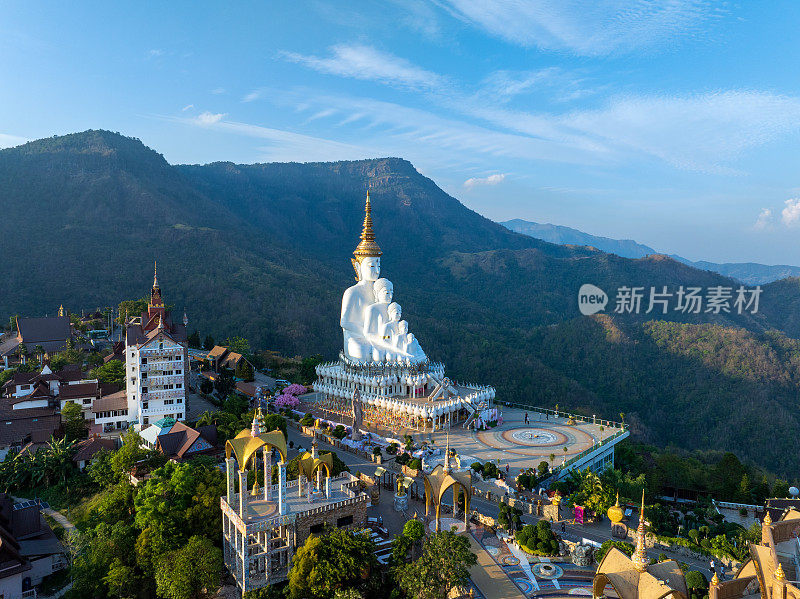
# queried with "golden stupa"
point(615, 513)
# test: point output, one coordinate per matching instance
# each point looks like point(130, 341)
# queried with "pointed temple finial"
point(155, 274)
point(255, 427)
point(160, 322)
point(779, 573)
point(61, 310)
point(367, 247)
point(185, 318)
point(715, 580)
point(767, 520)
point(155, 294)
point(639, 558)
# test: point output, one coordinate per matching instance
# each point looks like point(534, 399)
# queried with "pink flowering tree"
point(294, 389)
point(286, 401)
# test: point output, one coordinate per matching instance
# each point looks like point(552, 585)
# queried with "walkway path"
point(523, 561)
point(55, 515)
point(489, 577)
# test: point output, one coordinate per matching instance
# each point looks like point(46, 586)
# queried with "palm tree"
point(552, 459)
point(602, 428)
point(565, 454)
point(39, 351)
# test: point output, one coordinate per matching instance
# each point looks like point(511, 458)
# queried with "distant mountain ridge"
point(750, 273)
point(263, 251)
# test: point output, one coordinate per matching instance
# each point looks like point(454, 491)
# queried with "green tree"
point(780, 488)
point(74, 423)
point(444, 564)
point(225, 384)
point(132, 309)
point(194, 339)
point(244, 371)
point(209, 342)
point(112, 372)
point(414, 530)
point(338, 559)
point(125, 457)
point(190, 572)
point(240, 345)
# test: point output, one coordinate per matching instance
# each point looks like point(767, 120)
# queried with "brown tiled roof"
point(248, 389)
point(181, 437)
point(40, 391)
point(27, 424)
point(78, 390)
point(109, 403)
point(20, 378)
point(232, 360)
point(70, 373)
point(217, 352)
point(37, 331)
point(87, 448)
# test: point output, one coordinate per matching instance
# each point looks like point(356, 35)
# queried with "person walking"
point(526, 418)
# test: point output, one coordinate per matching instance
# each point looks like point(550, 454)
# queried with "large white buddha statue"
point(367, 264)
point(371, 325)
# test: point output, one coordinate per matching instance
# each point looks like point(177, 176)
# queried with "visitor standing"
point(526, 418)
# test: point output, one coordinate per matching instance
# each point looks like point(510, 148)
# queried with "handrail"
point(562, 413)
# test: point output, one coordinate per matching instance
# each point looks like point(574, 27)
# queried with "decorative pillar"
point(466, 511)
point(267, 472)
point(282, 488)
point(301, 482)
point(437, 517)
point(243, 495)
point(327, 487)
point(230, 464)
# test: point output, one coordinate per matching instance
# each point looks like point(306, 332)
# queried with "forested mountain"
point(263, 251)
point(750, 273)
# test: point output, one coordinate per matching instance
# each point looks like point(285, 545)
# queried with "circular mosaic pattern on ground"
point(538, 441)
point(493, 550)
point(534, 437)
point(547, 570)
point(510, 560)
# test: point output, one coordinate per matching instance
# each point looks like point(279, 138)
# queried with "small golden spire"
point(767, 520)
point(639, 559)
point(779, 573)
point(714, 580)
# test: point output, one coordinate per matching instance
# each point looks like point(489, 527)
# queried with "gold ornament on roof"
point(767, 519)
point(714, 580)
point(779, 573)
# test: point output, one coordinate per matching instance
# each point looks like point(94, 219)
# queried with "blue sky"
point(672, 122)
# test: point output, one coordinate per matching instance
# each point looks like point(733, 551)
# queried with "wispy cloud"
point(764, 220)
point(490, 180)
point(187, 107)
point(253, 95)
point(790, 215)
point(280, 145)
point(155, 53)
point(586, 28)
point(558, 84)
point(367, 63)
point(218, 91)
point(209, 118)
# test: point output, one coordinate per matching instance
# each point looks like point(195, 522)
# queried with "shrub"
point(376, 450)
point(308, 420)
point(626, 548)
point(339, 432)
point(402, 459)
point(392, 448)
point(490, 470)
point(415, 464)
point(538, 539)
point(477, 467)
point(543, 467)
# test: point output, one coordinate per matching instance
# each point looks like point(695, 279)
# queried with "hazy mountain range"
point(750, 273)
point(263, 251)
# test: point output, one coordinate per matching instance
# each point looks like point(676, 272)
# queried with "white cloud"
point(490, 180)
point(790, 215)
point(218, 90)
point(585, 28)
point(155, 53)
point(281, 145)
point(209, 118)
point(187, 107)
point(253, 95)
point(364, 62)
point(764, 220)
point(9, 141)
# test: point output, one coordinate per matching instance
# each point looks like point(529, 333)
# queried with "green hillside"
point(263, 251)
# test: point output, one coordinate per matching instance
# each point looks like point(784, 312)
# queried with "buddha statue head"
point(394, 311)
point(367, 255)
point(383, 290)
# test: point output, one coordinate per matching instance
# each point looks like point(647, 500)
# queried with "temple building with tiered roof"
point(156, 363)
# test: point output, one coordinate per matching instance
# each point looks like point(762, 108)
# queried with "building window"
point(145, 420)
point(316, 528)
point(180, 415)
point(168, 402)
point(144, 389)
point(179, 385)
point(144, 360)
point(344, 521)
point(180, 400)
point(144, 405)
point(178, 372)
point(87, 401)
